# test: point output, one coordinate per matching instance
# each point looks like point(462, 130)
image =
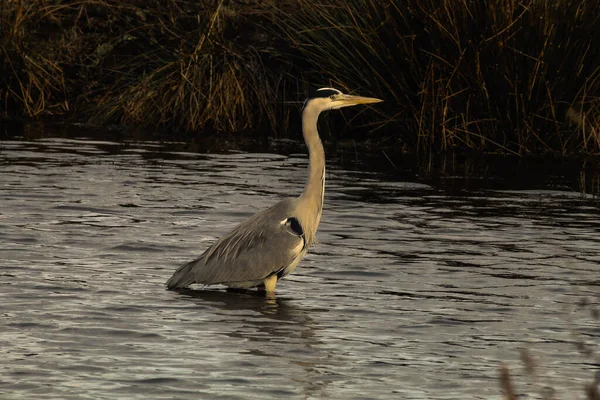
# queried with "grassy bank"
point(510, 76)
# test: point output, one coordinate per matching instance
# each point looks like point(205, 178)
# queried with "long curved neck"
point(314, 189)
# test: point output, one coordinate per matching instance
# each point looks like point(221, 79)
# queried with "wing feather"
point(255, 249)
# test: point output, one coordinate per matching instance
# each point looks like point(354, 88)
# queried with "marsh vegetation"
point(509, 76)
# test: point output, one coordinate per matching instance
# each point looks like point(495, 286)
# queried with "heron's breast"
point(292, 267)
point(299, 247)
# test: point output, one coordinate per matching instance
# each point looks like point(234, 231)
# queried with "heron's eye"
point(332, 97)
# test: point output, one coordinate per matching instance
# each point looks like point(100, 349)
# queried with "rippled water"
point(411, 294)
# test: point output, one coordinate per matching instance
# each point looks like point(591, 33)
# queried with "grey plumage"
point(270, 244)
point(255, 249)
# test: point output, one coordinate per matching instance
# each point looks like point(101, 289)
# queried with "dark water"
point(411, 294)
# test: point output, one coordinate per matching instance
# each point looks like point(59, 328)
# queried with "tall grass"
point(173, 64)
point(499, 75)
point(196, 75)
point(512, 76)
point(31, 77)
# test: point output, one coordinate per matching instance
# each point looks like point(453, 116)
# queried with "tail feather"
point(183, 277)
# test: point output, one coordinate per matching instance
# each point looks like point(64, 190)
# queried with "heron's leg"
point(270, 283)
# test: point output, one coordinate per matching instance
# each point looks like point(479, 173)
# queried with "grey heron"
point(270, 244)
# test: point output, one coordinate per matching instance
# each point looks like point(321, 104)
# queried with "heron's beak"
point(345, 100)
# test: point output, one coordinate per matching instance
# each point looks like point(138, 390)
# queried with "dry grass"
point(207, 80)
point(512, 76)
point(32, 80)
point(170, 64)
point(498, 75)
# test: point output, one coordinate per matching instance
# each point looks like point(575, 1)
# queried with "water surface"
point(411, 294)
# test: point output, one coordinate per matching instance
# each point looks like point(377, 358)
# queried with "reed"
point(510, 76)
point(169, 64)
point(198, 77)
point(499, 75)
point(31, 79)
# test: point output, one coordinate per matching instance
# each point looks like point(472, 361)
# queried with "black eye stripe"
point(323, 93)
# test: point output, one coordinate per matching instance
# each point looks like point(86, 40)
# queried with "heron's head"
point(331, 99)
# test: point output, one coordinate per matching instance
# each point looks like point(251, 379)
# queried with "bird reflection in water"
point(273, 327)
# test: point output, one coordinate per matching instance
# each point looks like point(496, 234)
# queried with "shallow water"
point(411, 294)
